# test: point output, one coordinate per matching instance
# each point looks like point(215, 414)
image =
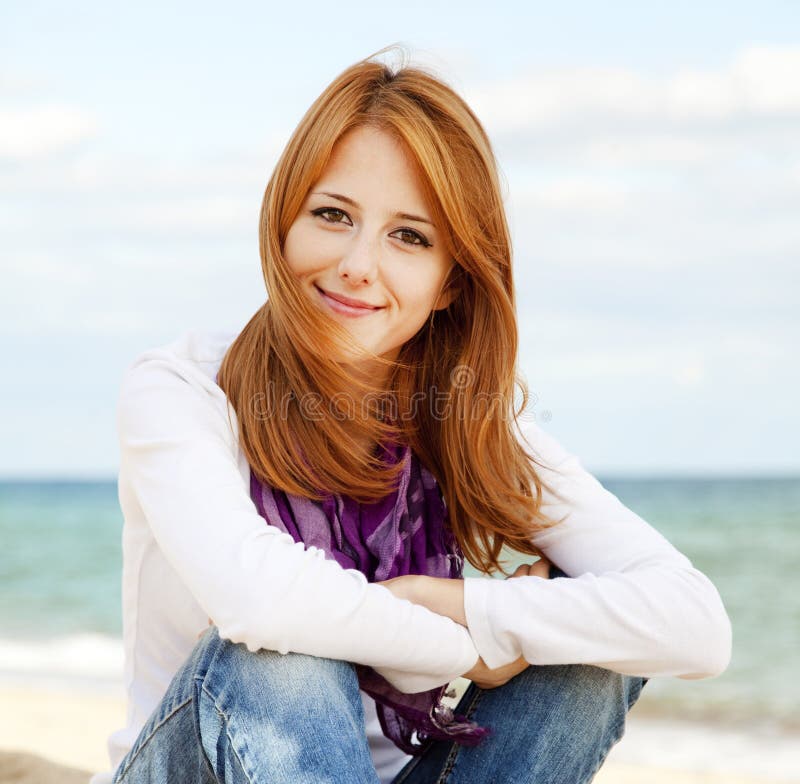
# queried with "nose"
point(359, 266)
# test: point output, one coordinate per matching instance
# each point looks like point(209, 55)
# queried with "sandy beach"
point(59, 735)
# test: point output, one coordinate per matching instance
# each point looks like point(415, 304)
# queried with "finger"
point(541, 569)
point(521, 571)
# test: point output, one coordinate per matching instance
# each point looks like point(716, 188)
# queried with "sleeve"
point(260, 587)
point(632, 602)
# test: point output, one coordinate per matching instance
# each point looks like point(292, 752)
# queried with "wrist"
point(443, 595)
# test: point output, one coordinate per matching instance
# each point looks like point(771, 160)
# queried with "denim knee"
point(602, 697)
point(625, 688)
point(299, 714)
point(235, 676)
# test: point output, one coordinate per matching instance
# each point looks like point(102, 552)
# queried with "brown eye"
point(411, 237)
point(331, 214)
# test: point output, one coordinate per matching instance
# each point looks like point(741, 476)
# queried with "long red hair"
point(289, 394)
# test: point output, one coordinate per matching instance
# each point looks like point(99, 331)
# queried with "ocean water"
point(60, 570)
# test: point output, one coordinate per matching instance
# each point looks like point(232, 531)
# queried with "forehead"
point(369, 158)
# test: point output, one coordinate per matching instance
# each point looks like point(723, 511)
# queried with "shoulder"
point(549, 455)
point(567, 485)
point(194, 351)
point(174, 382)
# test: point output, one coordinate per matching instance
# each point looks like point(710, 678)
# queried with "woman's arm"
point(446, 597)
point(179, 464)
point(633, 603)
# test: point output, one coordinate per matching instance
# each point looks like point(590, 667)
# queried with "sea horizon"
point(60, 586)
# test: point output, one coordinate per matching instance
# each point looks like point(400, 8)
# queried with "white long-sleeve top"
point(194, 547)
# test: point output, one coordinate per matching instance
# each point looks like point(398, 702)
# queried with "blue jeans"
point(233, 716)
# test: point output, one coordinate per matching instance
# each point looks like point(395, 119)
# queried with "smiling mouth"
point(341, 307)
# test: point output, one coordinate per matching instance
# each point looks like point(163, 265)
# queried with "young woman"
point(311, 486)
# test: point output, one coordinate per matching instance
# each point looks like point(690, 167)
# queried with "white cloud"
point(612, 170)
point(760, 81)
point(664, 148)
point(36, 131)
point(569, 192)
point(603, 347)
point(190, 216)
point(769, 79)
point(92, 171)
point(21, 82)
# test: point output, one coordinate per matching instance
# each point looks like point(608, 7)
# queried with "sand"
point(59, 735)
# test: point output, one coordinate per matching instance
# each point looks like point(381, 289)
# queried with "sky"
point(650, 158)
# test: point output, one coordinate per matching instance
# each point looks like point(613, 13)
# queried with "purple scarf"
point(403, 533)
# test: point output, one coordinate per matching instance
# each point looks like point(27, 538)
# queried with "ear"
point(447, 296)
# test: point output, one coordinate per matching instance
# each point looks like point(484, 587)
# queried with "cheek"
point(291, 250)
point(418, 293)
point(306, 250)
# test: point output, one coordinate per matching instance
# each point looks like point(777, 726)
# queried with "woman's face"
point(365, 233)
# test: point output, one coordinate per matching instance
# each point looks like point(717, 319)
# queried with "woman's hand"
point(480, 674)
point(210, 623)
point(539, 569)
point(405, 587)
point(442, 595)
point(445, 596)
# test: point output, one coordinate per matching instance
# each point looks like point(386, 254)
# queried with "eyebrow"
point(353, 203)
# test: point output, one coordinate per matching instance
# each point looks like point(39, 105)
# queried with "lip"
point(346, 305)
